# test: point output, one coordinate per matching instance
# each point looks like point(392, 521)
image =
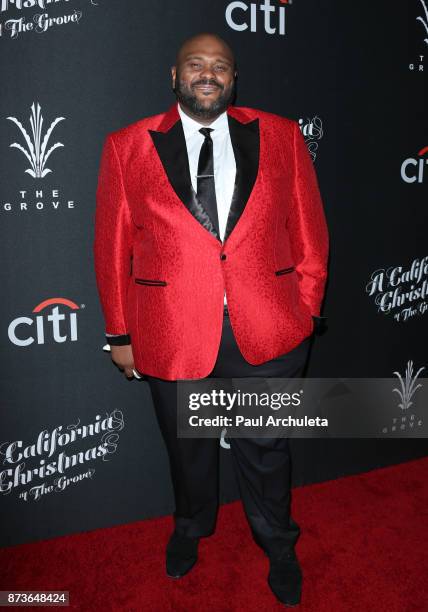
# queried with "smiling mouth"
point(207, 88)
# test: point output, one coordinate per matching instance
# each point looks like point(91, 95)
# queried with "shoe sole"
point(175, 577)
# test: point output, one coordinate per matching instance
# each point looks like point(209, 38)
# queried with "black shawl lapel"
point(245, 139)
point(171, 148)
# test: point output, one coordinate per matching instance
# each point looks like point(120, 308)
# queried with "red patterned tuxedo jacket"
point(161, 268)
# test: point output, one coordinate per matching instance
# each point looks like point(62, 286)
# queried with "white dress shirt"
point(224, 161)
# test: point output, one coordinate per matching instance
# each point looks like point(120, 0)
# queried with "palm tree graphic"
point(423, 21)
point(407, 385)
point(36, 152)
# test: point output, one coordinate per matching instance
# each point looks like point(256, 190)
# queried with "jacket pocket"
point(284, 270)
point(149, 281)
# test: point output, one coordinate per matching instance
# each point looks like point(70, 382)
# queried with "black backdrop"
point(352, 74)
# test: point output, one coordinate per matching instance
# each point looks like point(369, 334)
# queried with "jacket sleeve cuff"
point(118, 340)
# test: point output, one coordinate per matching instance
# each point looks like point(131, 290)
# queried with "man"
point(211, 252)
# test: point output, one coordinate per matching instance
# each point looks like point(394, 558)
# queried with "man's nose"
point(207, 73)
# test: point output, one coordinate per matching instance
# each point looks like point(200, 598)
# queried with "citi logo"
point(241, 15)
point(413, 170)
point(49, 323)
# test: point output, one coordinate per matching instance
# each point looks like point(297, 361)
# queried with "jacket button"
point(223, 256)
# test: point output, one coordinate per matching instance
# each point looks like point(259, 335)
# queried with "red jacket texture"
point(161, 268)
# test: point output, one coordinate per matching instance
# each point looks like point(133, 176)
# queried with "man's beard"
point(188, 98)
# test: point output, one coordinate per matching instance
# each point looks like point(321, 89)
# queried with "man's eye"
point(194, 65)
point(221, 68)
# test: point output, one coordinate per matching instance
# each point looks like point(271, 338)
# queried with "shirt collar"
point(190, 126)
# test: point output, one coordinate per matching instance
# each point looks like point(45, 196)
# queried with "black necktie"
point(205, 176)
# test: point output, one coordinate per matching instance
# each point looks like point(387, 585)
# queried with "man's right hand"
point(122, 356)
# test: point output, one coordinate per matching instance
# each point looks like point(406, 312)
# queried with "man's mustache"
point(208, 82)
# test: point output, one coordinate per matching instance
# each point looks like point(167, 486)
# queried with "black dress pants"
point(262, 465)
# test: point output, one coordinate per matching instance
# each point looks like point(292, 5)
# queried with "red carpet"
point(363, 547)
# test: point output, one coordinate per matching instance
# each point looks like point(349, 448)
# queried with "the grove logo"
point(37, 147)
point(242, 16)
point(417, 62)
point(413, 169)
point(36, 150)
point(48, 323)
point(406, 421)
point(312, 131)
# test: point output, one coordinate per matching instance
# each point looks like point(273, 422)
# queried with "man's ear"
point(173, 75)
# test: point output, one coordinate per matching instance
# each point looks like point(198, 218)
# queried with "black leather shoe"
point(181, 555)
point(285, 579)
